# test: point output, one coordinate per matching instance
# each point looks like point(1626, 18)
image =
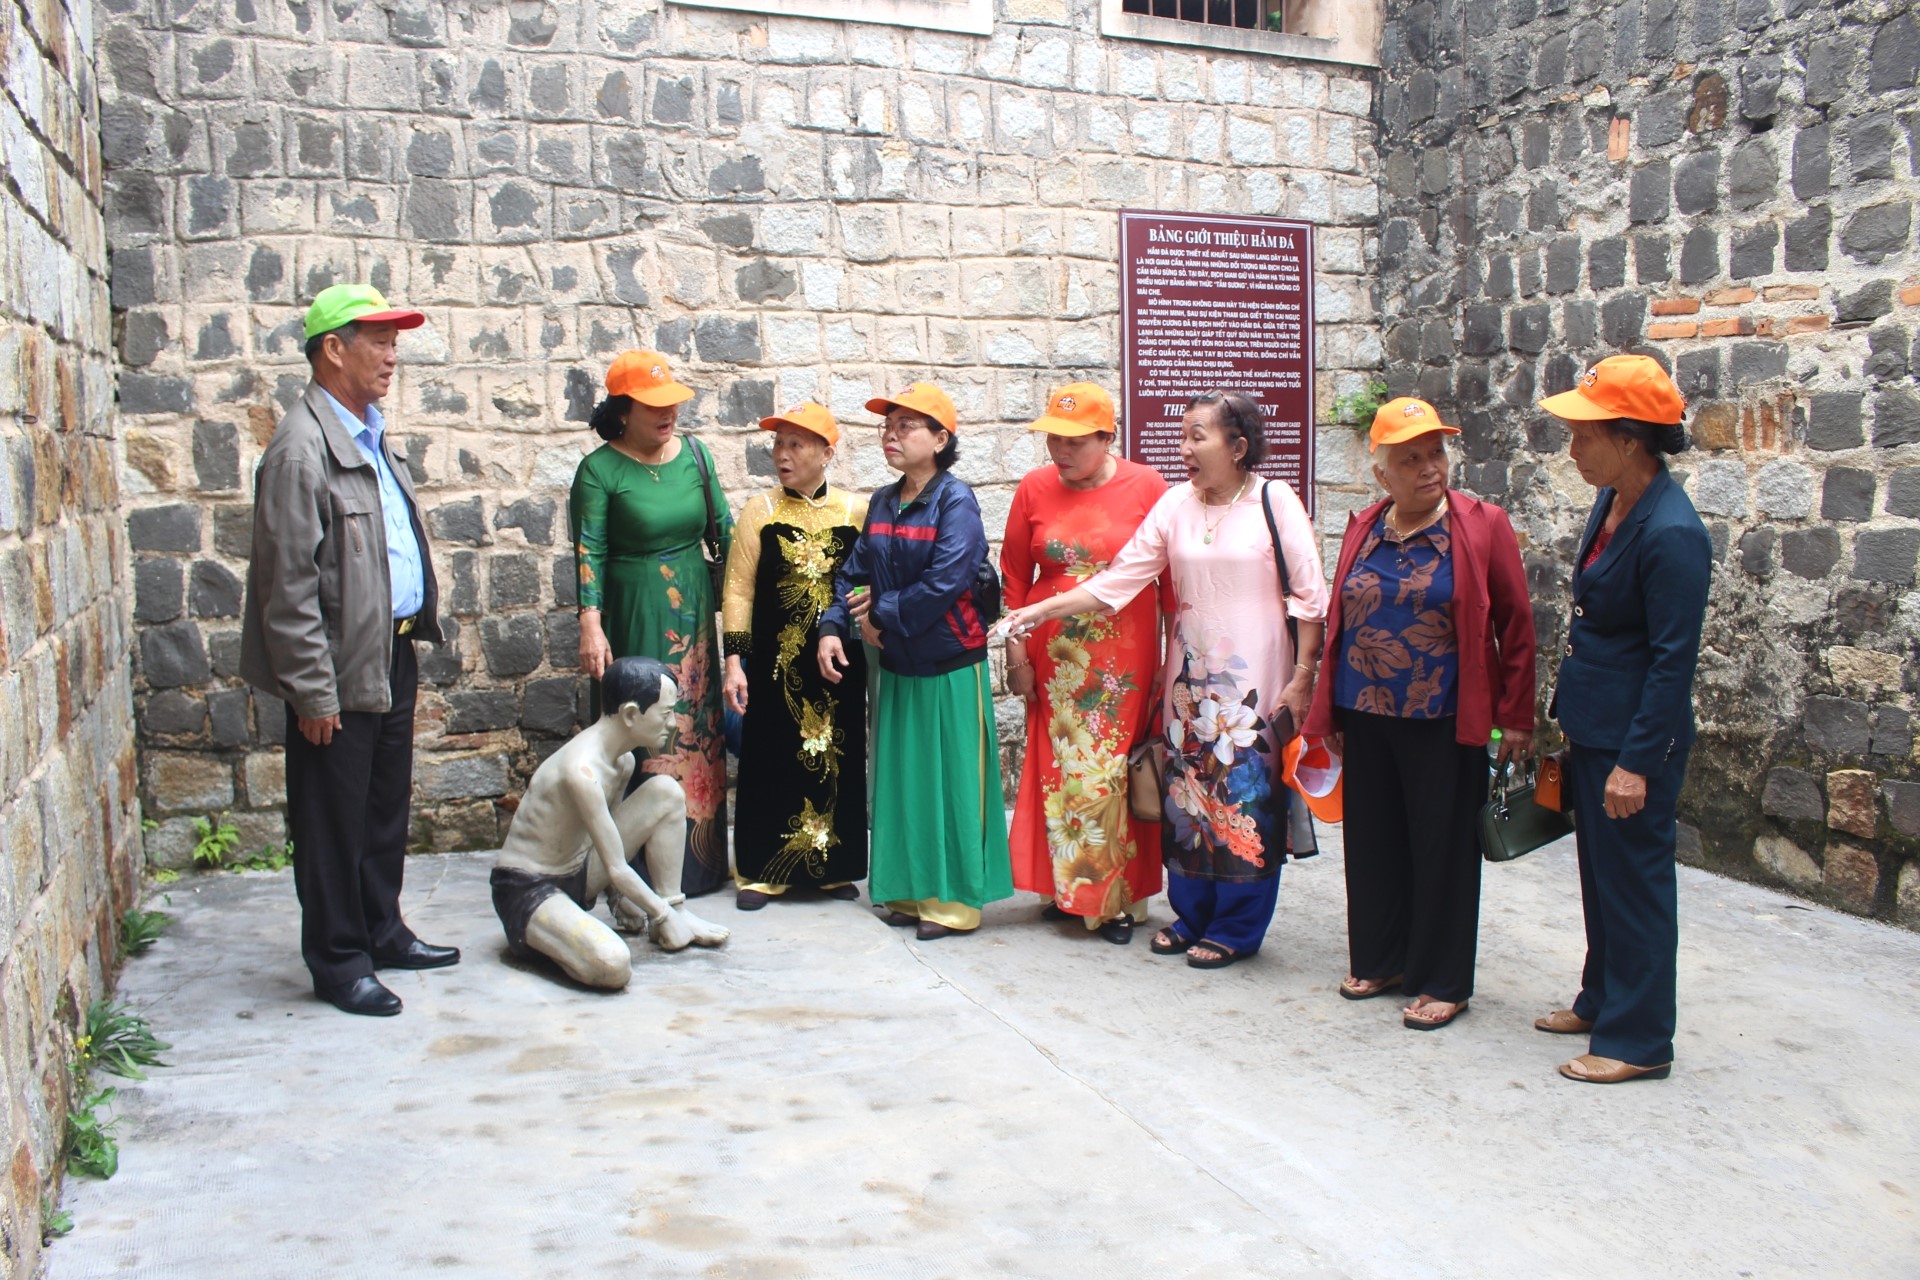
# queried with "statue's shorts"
point(518, 894)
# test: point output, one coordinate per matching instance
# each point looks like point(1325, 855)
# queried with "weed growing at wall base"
point(141, 929)
point(118, 1041)
point(218, 838)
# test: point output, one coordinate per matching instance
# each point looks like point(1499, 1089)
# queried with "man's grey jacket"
point(318, 631)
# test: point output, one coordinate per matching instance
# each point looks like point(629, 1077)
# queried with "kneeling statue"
point(577, 834)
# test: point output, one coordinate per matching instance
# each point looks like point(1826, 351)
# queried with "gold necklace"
point(1225, 511)
point(1403, 534)
point(651, 468)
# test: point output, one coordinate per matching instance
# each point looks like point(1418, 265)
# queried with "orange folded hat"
point(921, 397)
point(1621, 387)
point(1405, 419)
point(1077, 409)
point(643, 376)
point(807, 416)
point(1309, 766)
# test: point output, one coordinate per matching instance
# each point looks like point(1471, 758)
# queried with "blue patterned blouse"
point(1398, 656)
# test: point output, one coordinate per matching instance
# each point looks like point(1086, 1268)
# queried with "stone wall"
point(68, 814)
point(792, 209)
point(1727, 185)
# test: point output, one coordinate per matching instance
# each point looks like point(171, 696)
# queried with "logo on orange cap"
point(1621, 387)
point(1077, 409)
point(807, 416)
point(643, 376)
point(921, 397)
point(1405, 419)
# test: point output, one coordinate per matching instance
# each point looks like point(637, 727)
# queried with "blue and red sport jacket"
point(920, 562)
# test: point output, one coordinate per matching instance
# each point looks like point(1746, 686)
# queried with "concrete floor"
point(825, 1097)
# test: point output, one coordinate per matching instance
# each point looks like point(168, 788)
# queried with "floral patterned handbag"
point(1301, 842)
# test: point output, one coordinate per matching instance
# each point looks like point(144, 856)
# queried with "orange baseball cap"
point(807, 416)
point(643, 375)
point(1310, 768)
point(921, 397)
point(1077, 409)
point(1621, 387)
point(1405, 419)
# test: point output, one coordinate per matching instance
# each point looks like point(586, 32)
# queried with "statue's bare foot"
point(670, 932)
point(704, 934)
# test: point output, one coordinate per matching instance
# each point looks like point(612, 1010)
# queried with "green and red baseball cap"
point(341, 304)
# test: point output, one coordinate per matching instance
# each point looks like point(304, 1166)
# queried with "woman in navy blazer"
point(1625, 701)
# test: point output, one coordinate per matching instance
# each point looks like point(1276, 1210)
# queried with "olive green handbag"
point(1511, 824)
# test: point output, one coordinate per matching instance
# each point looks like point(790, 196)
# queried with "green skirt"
point(939, 820)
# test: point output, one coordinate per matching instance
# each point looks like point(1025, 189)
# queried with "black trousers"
point(1413, 798)
point(347, 813)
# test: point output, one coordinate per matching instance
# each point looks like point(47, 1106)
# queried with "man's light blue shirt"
point(403, 549)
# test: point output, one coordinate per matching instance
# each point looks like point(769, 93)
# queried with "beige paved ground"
point(827, 1098)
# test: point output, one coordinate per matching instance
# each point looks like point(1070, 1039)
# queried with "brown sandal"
point(1414, 1023)
point(1563, 1022)
point(1594, 1069)
point(1350, 986)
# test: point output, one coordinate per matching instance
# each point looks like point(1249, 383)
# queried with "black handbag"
point(715, 558)
point(986, 592)
point(1511, 824)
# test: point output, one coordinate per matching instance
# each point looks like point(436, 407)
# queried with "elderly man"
point(339, 589)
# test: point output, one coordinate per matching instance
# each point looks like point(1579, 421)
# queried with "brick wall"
point(1727, 185)
point(68, 814)
point(793, 209)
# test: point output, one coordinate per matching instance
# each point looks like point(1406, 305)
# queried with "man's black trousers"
point(347, 814)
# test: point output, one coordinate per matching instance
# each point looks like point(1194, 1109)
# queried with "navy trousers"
point(1233, 913)
point(1630, 894)
point(347, 813)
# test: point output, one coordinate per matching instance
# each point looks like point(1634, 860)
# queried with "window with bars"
point(1247, 15)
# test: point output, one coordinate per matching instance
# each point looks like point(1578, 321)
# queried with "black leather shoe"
point(362, 995)
point(419, 955)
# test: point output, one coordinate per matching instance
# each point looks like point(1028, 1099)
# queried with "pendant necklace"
point(1211, 529)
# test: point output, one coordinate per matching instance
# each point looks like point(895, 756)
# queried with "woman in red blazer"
point(1430, 648)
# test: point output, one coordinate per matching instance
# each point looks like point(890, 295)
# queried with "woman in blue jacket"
point(1625, 701)
point(939, 825)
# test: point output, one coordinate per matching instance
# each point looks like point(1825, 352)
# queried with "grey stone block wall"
point(69, 816)
point(1730, 189)
point(790, 209)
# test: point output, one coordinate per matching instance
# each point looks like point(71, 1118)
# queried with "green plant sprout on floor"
point(1358, 407)
point(54, 1221)
point(275, 857)
point(218, 838)
point(141, 929)
point(118, 1041)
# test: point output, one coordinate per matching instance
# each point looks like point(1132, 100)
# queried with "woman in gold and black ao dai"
point(801, 799)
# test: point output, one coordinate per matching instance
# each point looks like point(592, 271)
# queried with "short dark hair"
point(1655, 437)
point(951, 453)
point(1240, 416)
point(349, 332)
point(609, 417)
point(636, 680)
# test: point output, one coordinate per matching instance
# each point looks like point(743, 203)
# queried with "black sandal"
point(1118, 931)
point(1168, 942)
point(1224, 956)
